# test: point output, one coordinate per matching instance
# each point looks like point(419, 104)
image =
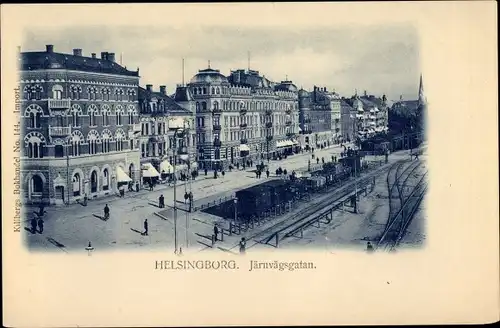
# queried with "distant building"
point(78, 117)
point(241, 117)
point(348, 121)
point(157, 137)
point(371, 114)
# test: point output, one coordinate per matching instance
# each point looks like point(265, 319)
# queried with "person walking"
point(33, 225)
point(146, 227)
point(243, 245)
point(267, 173)
point(161, 201)
point(206, 171)
point(216, 232)
point(106, 212)
point(223, 173)
point(369, 248)
point(40, 225)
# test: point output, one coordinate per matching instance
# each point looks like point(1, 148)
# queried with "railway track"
point(399, 221)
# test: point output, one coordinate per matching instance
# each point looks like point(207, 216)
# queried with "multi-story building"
point(242, 117)
point(372, 115)
point(315, 118)
point(157, 142)
point(348, 122)
point(79, 117)
point(336, 116)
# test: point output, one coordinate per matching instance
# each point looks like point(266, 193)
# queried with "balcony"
point(217, 143)
point(288, 123)
point(59, 131)
point(269, 124)
point(217, 127)
point(269, 138)
point(243, 141)
point(59, 104)
point(243, 111)
point(243, 125)
point(216, 111)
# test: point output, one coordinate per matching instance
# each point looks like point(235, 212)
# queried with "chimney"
point(104, 55)
point(149, 87)
point(93, 55)
point(163, 89)
point(77, 52)
point(365, 93)
point(50, 48)
point(111, 56)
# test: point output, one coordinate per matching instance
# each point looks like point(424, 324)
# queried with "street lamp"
point(235, 209)
point(178, 125)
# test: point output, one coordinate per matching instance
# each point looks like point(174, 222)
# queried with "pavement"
point(71, 228)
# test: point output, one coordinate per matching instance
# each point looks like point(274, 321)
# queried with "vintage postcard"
point(249, 164)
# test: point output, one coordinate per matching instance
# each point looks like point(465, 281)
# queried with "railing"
point(243, 125)
point(243, 111)
point(243, 141)
point(59, 103)
point(269, 124)
point(217, 127)
point(59, 131)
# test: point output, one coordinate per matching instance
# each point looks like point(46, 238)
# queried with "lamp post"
point(235, 209)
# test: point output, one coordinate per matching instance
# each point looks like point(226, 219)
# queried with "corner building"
point(243, 117)
point(79, 120)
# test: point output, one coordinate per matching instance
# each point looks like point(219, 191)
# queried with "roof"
point(209, 75)
point(170, 105)
point(286, 86)
point(405, 105)
point(344, 104)
point(182, 94)
point(250, 79)
point(55, 60)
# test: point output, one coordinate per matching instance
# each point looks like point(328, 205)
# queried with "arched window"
point(92, 111)
point(30, 92)
point(120, 139)
point(57, 91)
point(131, 95)
point(119, 114)
point(75, 91)
point(204, 91)
point(213, 90)
point(34, 112)
point(36, 184)
point(35, 144)
point(216, 105)
point(75, 142)
point(106, 141)
point(131, 113)
point(218, 90)
point(197, 106)
point(105, 115)
point(93, 139)
point(105, 93)
point(203, 106)
point(93, 181)
point(92, 93)
point(76, 184)
point(38, 92)
point(105, 179)
point(58, 151)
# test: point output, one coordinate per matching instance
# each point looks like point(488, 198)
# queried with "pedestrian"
point(284, 172)
point(256, 174)
point(40, 225)
point(137, 187)
point(323, 160)
point(369, 247)
point(223, 173)
point(206, 171)
point(267, 173)
point(244, 167)
point(33, 225)
point(161, 201)
point(317, 160)
point(146, 227)
point(238, 166)
point(216, 232)
point(243, 245)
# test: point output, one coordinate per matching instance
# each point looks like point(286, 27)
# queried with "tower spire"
point(421, 95)
point(209, 63)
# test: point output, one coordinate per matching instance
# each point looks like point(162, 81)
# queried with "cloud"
point(380, 59)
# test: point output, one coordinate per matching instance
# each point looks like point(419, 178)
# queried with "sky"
point(382, 59)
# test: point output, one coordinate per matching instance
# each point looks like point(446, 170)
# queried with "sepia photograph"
point(309, 161)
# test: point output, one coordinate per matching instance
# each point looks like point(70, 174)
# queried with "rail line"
point(396, 225)
point(299, 220)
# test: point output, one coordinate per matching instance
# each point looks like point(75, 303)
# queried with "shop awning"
point(149, 171)
point(289, 142)
point(280, 144)
point(166, 167)
point(121, 176)
point(244, 147)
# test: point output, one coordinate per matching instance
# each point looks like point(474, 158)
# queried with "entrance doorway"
point(60, 194)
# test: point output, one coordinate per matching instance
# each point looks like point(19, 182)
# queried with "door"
point(60, 194)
